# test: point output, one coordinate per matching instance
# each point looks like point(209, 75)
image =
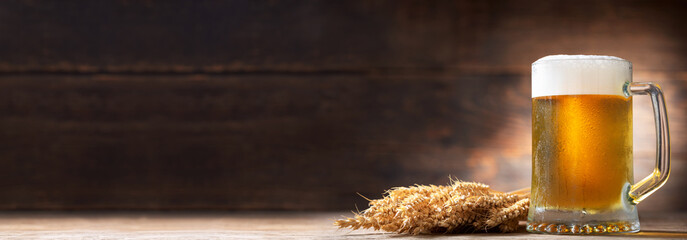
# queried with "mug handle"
point(659, 176)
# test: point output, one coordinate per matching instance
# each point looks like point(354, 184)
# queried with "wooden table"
point(250, 225)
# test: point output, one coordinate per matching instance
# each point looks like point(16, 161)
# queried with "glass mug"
point(582, 177)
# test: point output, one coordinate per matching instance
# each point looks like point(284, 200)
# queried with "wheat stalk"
point(460, 207)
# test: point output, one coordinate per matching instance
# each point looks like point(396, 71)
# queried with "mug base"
point(583, 221)
point(588, 228)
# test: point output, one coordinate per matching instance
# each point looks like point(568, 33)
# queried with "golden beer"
point(582, 151)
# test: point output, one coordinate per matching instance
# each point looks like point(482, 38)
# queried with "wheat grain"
point(457, 208)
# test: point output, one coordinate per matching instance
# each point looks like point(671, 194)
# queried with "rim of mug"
point(589, 57)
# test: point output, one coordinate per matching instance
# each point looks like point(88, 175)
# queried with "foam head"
point(580, 74)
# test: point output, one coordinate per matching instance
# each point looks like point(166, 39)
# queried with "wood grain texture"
point(292, 105)
point(260, 142)
point(331, 36)
point(267, 225)
point(241, 142)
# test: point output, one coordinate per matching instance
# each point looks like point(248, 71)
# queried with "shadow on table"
point(656, 234)
point(522, 232)
point(643, 234)
point(387, 235)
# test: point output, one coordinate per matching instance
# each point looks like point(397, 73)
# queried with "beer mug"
point(582, 177)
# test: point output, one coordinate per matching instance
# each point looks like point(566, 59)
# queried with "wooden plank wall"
point(298, 105)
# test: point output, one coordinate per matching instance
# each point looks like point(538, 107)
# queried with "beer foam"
point(580, 74)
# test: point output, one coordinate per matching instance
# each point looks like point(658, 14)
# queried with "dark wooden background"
point(298, 105)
